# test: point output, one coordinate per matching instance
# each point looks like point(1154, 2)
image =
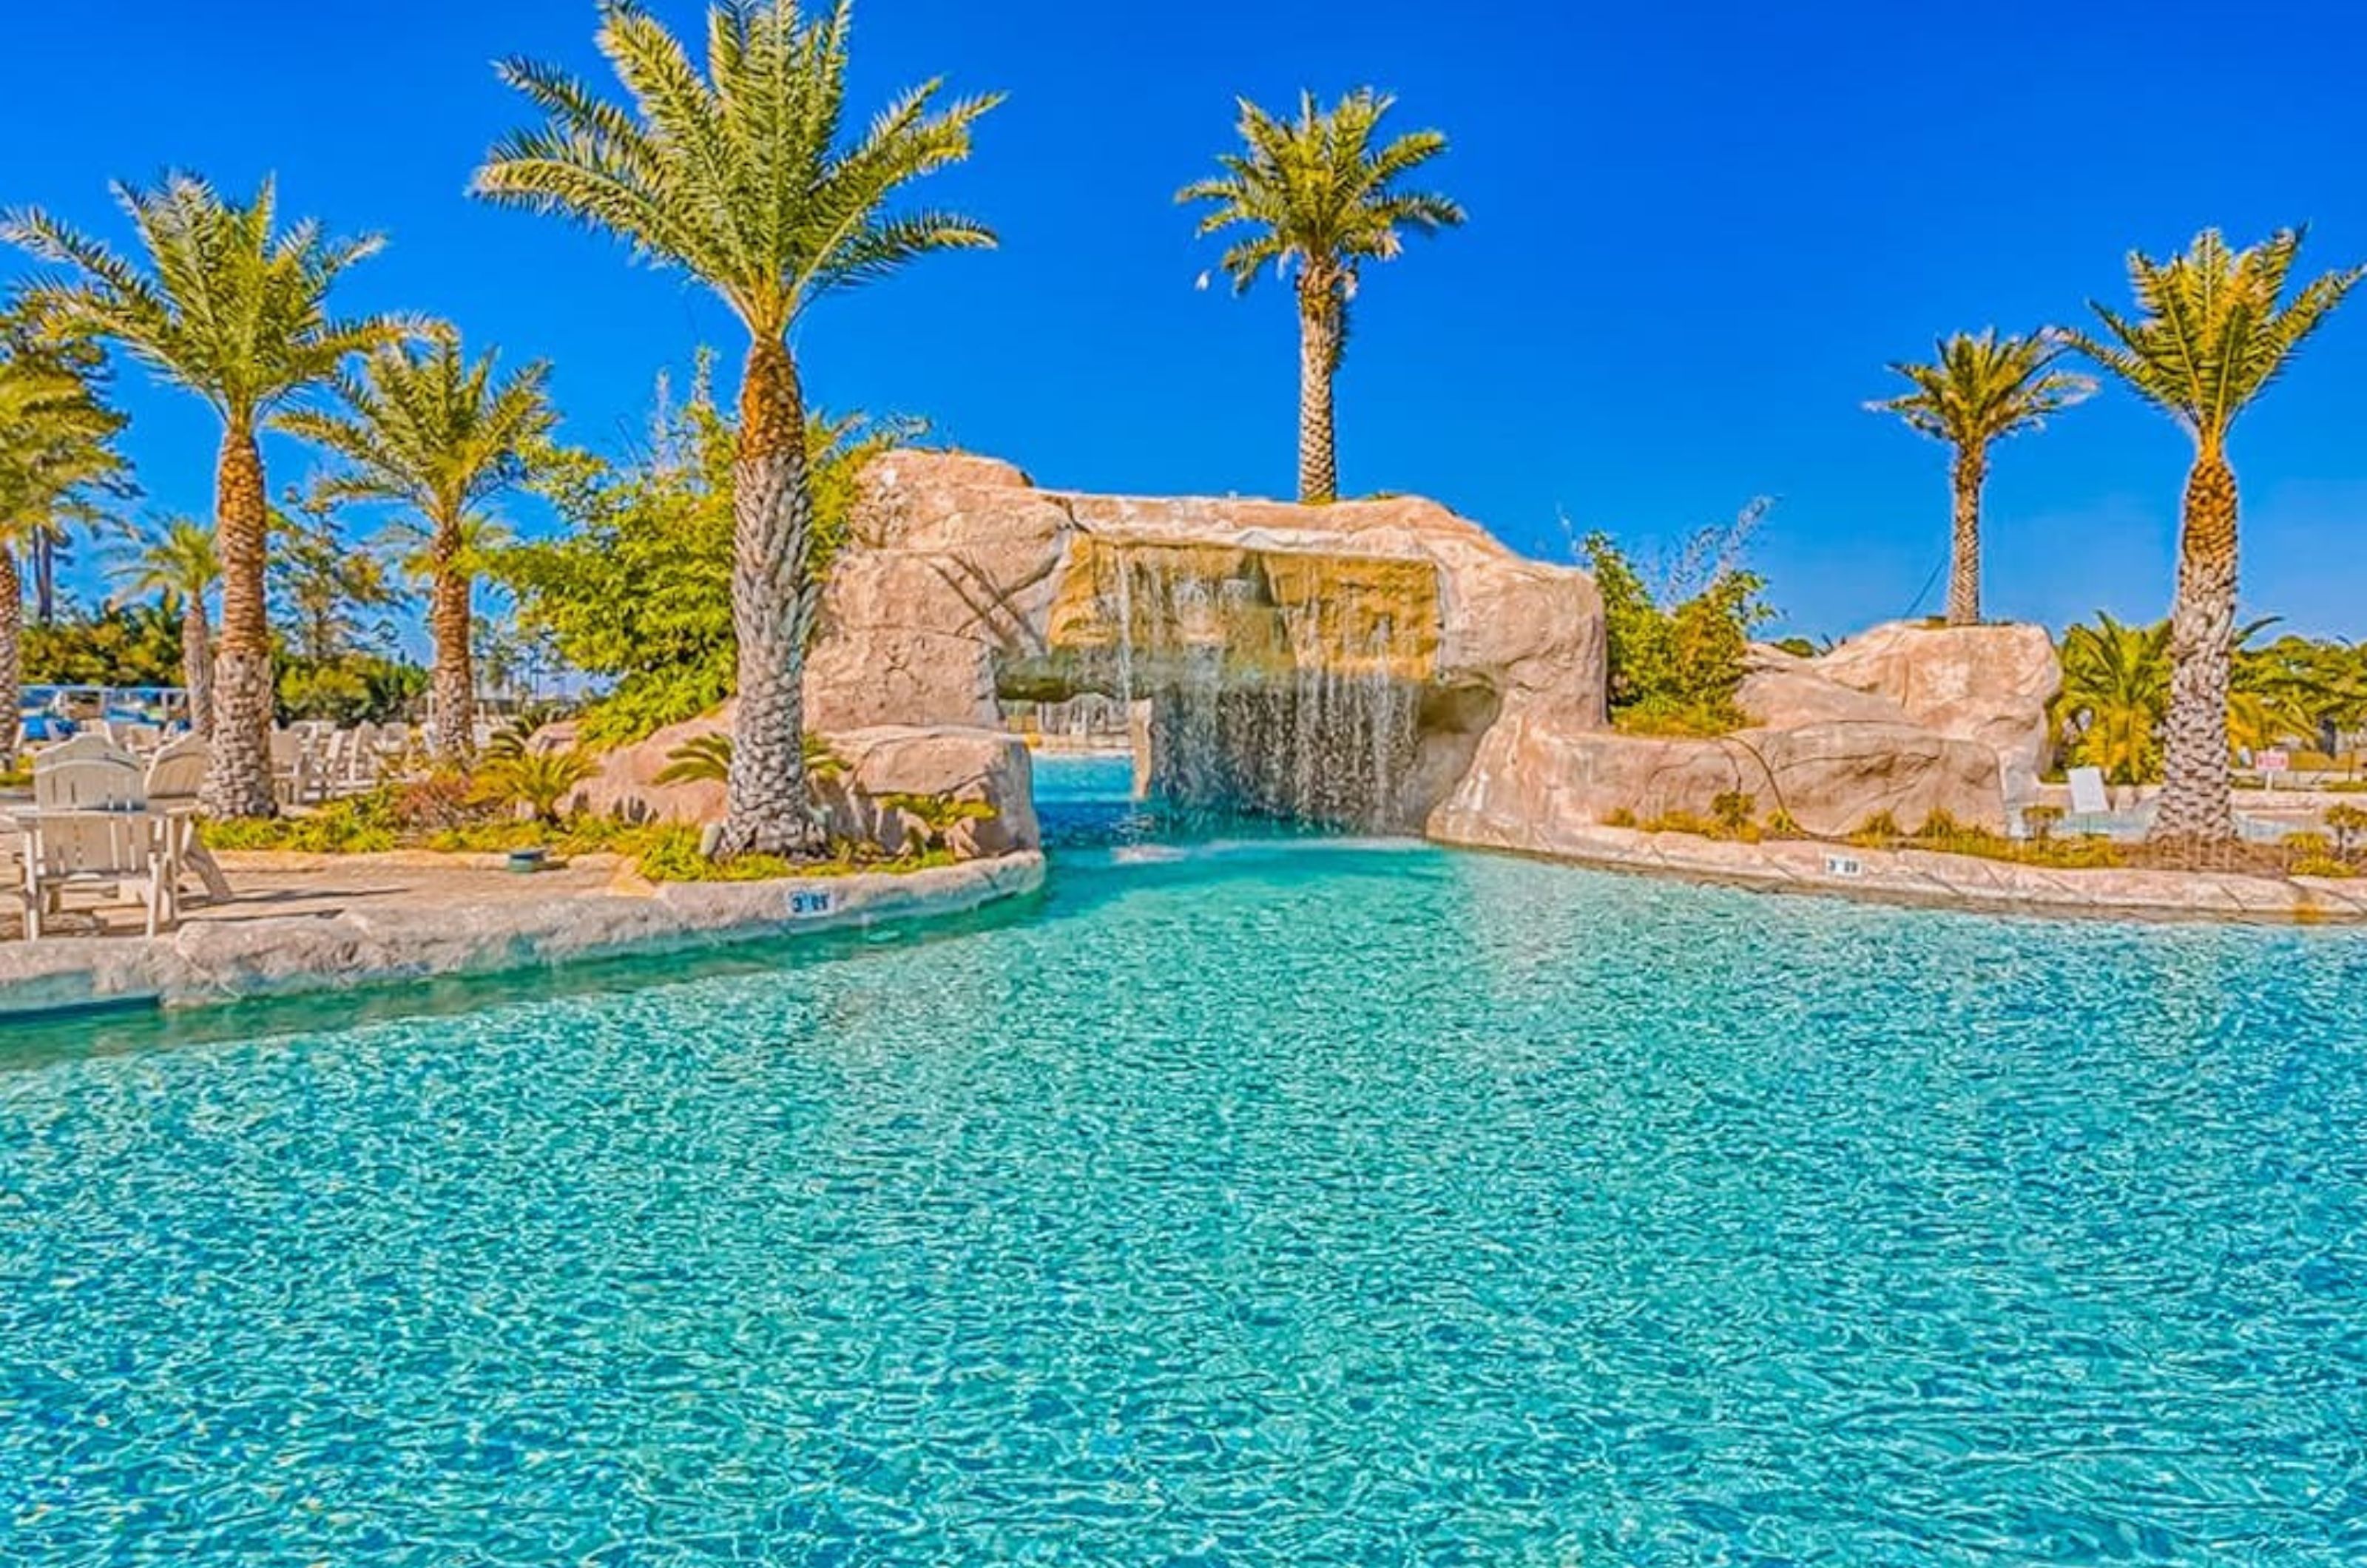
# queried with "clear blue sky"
point(1698, 231)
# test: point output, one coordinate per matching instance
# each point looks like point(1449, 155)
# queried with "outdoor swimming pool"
point(1271, 1202)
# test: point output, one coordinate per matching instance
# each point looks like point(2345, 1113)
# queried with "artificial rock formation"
point(855, 792)
point(1383, 664)
point(1341, 662)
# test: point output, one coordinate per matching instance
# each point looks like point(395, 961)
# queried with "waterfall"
point(1262, 705)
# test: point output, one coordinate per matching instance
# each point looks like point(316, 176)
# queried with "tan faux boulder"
point(985, 766)
point(1782, 691)
point(1533, 779)
point(1989, 684)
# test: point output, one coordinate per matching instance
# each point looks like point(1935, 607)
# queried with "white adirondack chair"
point(120, 847)
point(87, 772)
point(175, 776)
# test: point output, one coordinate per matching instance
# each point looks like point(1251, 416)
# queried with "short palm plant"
point(537, 780)
point(176, 562)
point(2214, 328)
point(1319, 195)
point(741, 175)
point(2115, 689)
point(424, 428)
point(707, 758)
point(234, 309)
point(1977, 391)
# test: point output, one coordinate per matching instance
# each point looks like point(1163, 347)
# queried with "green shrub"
point(1880, 829)
point(363, 824)
point(1677, 656)
point(1619, 817)
point(2042, 821)
point(1782, 824)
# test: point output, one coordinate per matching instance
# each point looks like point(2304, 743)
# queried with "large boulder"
point(855, 795)
point(1533, 778)
point(1988, 684)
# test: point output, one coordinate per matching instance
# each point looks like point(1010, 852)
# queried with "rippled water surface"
point(1271, 1204)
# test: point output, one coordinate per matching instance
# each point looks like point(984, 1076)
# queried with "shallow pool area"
point(1238, 1202)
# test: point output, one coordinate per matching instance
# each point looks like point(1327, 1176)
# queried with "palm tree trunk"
point(2196, 800)
point(238, 775)
point(1318, 361)
point(456, 679)
point(12, 674)
point(1964, 570)
point(766, 809)
point(198, 664)
point(45, 575)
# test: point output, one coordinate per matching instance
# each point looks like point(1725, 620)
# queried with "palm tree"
point(740, 177)
point(235, 309)
point(177, 563)
point(1320, 198)
point(1974, 391)
point(2115, 689)
point(56, 456)
point(424, 429)
point(2213, 331)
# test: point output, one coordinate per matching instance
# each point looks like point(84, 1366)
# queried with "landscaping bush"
point(1677, 653)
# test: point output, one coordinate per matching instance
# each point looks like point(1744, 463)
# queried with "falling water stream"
point(1260, 707)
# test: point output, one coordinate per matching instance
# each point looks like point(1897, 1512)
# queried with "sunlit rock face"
point(1336, 664)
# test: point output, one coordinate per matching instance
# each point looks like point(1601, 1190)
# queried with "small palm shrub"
point(2348, 824)
point(2042, 821)
point(930, 820)
point(707, 758)
point(536, 780)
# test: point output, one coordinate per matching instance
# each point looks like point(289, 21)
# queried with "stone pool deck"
point(302, 923)
point(1926, 878)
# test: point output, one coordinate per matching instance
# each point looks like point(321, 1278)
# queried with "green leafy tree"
point(425, 429)
point(637, 590)
point(1976, 391)
point(1677, 650)
point(234, 309)
point(2212, 329)
point(741, 175)
point(175, 562)
point(329, 597)
point(120, 645)
point(1319, 195)
point(58, 461)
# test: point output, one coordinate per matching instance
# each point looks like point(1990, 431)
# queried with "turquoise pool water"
point(1258, 1204)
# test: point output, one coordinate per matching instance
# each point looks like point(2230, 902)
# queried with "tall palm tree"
point(235, 309)
point(175, 561)
point(2213, 329)
point(425, 429)
point(740, 174)
point(1978, 389)
point(1319, 194)
point(56, 459)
